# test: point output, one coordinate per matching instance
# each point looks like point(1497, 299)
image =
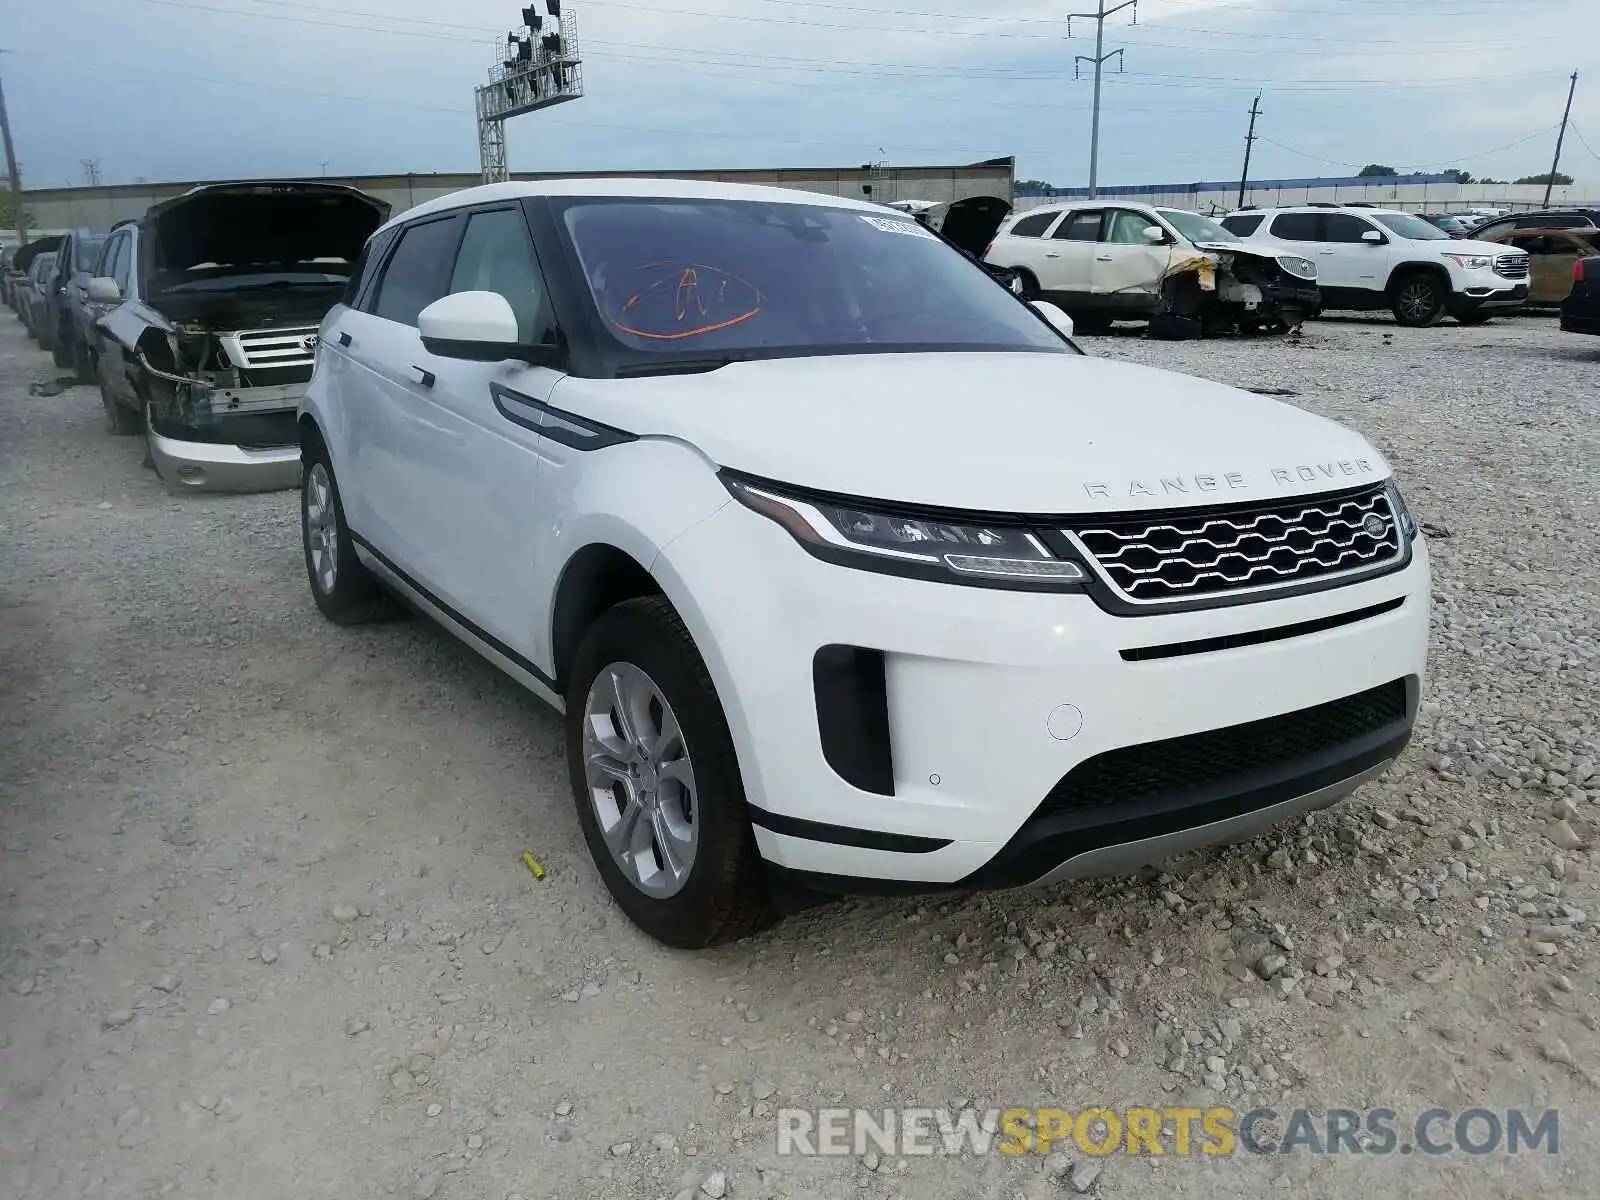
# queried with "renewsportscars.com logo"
point(1159, 1131)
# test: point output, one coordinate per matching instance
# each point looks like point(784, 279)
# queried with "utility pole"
point(16, 173)
point(1099, 60)
point(1249, 141)
point(91, 171)
point(1560, 137)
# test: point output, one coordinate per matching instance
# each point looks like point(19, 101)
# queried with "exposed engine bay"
point(1222, 289)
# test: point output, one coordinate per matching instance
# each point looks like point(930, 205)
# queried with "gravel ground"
point(264, 931)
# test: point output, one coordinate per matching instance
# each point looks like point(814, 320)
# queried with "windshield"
point(1195, 227)
point(715, 278)
point(86, 252)
point(1414, 228)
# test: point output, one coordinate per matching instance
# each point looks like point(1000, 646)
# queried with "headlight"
point(1470, 262)
point(1300, 268)
point(919, 545)
point(1402, 514)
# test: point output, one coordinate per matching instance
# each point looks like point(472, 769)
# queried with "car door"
point(1024, 242)
point(116, 260)
point(1552, 254)
point(466, 435)
point(1128, 267)
point(1066, 264)
point(373, 362)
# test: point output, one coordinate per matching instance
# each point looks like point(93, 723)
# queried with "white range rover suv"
point(849, 571)
point(1376, 258)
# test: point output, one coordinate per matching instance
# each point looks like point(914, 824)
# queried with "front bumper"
point(1490, 295)
point(992, 699)
point(216, 467)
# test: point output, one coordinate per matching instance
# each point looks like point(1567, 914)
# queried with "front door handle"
point(1051, 254)
point(424, 376)
point(1102, 258)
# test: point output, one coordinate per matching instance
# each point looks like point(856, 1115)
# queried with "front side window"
point(122, 259)
point(1126, 228)
point(419, 270)
point(693, 278)
point(1342, 227)
point(1297, 227)
point(497, 256)
point(1411, 228)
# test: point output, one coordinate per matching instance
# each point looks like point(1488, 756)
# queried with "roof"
point(666, 189)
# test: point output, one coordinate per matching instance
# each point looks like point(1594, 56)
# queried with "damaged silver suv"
point(209, 306)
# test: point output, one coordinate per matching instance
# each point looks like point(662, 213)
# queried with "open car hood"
point(22, 258)
point(255, 226)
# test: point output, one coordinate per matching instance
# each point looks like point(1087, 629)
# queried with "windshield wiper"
point(675, 366)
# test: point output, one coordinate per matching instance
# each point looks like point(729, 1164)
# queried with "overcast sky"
point(208, 89)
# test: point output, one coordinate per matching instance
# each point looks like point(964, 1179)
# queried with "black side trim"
point(1257, 637)
point(477, 631)
point(853, 716)
point(559, 426)
point(845, 835)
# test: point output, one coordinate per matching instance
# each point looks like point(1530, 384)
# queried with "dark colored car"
point(1580, 312)
point(1454, 226)
point(17, 266)
point(1547, 218)
point(31, 293)
point(66, 336)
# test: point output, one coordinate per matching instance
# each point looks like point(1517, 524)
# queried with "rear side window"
point(1245, 224)
point(419, 270)
point(1033, 225)
point(1342, 227)
point(1296, 227)
point(1080, 227)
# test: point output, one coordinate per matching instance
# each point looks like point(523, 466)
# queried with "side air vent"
point(853, 716)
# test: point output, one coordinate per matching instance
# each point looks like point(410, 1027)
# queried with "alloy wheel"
point(322, 528)
point(1417, 299)
point(640, 780)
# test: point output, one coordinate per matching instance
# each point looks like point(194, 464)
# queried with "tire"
point(61, 350)
point(83, 363)
point(1030, 284)
point(1418, 300)
point(125, 421)
point(640, 650)
point(1091, 323)
point(345, 591)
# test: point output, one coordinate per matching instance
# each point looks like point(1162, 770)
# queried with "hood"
point(1030, 433)
point(22, 258)
point(251, 225)
point(1469, 245)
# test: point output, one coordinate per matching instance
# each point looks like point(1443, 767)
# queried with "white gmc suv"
point(1375, 258)
point(848, 570)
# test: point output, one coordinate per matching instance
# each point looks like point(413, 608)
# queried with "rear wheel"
point(1418, 300)
point(345, 591)
point(657, 783)
point(1030, 284)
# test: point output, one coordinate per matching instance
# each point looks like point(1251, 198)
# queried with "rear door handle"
point(344, 339)
point(424, 376)
point(1051, 254)
point(1102, 258)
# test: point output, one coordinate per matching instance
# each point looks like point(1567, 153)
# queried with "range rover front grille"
point(1511, 266)
point(1177, 556)
point(1168, 771)
point(255, 349)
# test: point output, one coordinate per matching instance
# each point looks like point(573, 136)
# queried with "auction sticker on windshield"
point(890, 225)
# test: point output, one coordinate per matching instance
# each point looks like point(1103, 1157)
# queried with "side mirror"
point(1059, 320)
point(1373, 238)
point(1154, 233)
point(478, 326)
point(104, 290)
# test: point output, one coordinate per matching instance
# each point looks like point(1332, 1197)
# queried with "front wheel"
point(1418, 301)
point(343, 588)
point(656, 781)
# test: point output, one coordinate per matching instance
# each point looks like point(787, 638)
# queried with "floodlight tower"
point(538, 66)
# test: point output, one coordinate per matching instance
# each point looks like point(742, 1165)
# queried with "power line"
point(1577, 133)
